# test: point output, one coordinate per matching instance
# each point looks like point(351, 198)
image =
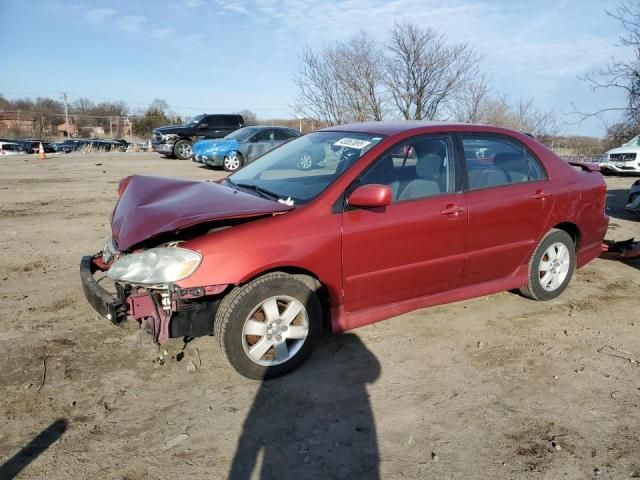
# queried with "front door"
point(415, 246)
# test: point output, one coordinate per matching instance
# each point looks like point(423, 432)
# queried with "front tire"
point(232, 162)
point(268, 327)
point(551, 266)
point(182, 150)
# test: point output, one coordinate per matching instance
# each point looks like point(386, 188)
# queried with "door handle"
point(541, 195)
point(452, 209)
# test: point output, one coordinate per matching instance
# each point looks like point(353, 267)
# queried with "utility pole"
point(110, 128)
point(66, 114)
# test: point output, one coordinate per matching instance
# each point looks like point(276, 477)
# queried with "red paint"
point(150, 316)
point(377, 262)
point(150, 206)
point(371, 196)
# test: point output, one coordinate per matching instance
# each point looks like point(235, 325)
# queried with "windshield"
point(299, 170)
point(194, 120)
point(634, 142)
point(242, 134)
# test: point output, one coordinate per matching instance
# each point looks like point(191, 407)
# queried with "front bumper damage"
point(163, 312)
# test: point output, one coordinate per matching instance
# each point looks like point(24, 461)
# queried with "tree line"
point(112, 116)
point(415, 75)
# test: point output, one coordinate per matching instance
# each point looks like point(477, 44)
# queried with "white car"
point(624, 159)
point(10, 148)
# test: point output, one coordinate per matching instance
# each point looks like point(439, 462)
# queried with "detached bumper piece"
point(103, 302)
point(625, 250)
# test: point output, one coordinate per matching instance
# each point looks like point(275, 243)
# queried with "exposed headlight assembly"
point(155, 266)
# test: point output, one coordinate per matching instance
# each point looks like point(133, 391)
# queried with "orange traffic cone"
point(150, 148)
point(41, 154)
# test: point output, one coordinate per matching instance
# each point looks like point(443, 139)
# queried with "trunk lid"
point(150, 206)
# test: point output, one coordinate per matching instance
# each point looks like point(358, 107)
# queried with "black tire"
point(240, 304)
point(535, 289)
point(182, 150)
point(233, 164)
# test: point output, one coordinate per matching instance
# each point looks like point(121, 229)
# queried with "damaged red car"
point(391, 218)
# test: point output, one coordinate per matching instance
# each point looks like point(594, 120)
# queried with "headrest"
point(512, 162)
point(428, 166)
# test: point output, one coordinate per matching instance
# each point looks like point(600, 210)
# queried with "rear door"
point(509, 197)
point(415, 246)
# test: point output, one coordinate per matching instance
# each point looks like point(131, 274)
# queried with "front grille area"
point(622, 157)
point(157, 137)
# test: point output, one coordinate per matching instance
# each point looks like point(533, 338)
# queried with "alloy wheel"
point(275, 331)
point(554, 266)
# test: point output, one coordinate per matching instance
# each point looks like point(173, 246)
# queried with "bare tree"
point(533, 120)
point(621, 74)
point(360, 75)
point(423, 72)
point(471, 104)
point(250, 117)
point(320, 94)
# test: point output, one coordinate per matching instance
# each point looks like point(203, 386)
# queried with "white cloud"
point(233, 6)
point(131, 23)
point(98, 15)
point(193, 3)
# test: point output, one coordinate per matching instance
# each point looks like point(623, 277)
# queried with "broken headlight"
point(155, 266)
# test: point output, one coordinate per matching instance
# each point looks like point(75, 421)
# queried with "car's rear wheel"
point(232, 162)
point(551, 266)
point(182, 150)
point(268, 327)
point(305, 162)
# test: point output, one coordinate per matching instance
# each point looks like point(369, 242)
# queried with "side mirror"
point(370, 196)
point(203, 126)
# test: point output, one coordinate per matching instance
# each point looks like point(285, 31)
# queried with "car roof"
point(9, 143)
point(396, 127)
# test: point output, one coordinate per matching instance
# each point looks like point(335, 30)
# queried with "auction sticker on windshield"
point(352, 143)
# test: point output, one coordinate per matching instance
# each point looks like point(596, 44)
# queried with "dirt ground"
point(496, 387)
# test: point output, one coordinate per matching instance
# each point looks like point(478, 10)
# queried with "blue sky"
point(227, 55)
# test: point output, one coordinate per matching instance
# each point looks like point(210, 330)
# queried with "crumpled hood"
point(207, 146)
point(150, 206)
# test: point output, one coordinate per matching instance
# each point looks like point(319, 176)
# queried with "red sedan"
point(393, 217)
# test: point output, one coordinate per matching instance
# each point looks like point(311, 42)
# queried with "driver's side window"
point(416, 168)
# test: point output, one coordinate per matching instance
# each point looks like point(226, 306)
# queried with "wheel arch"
point(310, 279)
point(572, 230)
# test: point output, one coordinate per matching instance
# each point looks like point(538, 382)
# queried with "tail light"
point(122, 185)
point(602, 194)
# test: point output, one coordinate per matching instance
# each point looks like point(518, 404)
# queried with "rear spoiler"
point(587, 167)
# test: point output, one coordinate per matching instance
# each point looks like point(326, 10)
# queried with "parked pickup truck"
point(175, 141)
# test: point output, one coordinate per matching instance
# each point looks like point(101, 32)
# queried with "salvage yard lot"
point(498, 386)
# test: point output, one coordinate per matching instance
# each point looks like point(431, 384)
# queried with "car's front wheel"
point(551, 266)
point(268, 327)
point(232, 162)
point(182, 150)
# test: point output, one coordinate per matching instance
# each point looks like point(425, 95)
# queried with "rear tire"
point(551, 266)
point(268, 327)
point(305, 162)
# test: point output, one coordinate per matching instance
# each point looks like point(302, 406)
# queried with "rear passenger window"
point(416, 168)
point(492, 162)
point(284, 134)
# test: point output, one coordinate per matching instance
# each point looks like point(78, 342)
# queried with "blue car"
point(240, 147)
